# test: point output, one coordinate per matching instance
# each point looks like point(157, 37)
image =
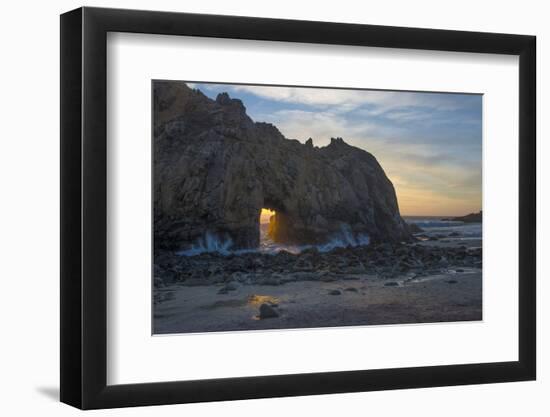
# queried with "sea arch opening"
point(273, 223)
point(267, 226)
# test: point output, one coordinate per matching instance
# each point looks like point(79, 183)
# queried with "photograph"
point(268, 209)
point(286, 207)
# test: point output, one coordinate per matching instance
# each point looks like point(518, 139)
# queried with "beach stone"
point(327, 278)
point(267, 311)
point(218, 279)
point(195, 282)
point(391, 284)
point(303, 265)
point(297, 276)
point(335, 292)
point(351, 289)
point(272, 280)
point(230, 286)
point(214, 269)
point(351, 278)
point(258, 262)
point(357, 269)
point(169, 296)
point(158, 282)
point(452, 281)
point(237, 276)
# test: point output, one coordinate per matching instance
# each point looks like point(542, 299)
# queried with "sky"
point(429, 144)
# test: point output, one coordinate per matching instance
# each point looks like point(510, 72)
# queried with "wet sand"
point(453, 293)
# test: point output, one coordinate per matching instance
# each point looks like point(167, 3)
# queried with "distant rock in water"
point(469, 218)
point(215, 169)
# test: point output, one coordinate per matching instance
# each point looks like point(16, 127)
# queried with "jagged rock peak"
point(337, 142)
point(225, 100)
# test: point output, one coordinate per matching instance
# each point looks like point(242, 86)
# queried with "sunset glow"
point(265, 215)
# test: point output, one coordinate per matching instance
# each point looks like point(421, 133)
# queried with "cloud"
point(321, 126)
point(316, 97)
point(375, 102)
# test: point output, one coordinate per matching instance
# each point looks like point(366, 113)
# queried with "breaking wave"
point(223, 245)
point(434, 223)
point(344, 239)
point(209, 243)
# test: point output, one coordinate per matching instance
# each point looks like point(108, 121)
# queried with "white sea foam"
point(224, 245)
point(209, 243)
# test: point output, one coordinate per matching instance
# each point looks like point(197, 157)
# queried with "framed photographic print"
point(256, 208)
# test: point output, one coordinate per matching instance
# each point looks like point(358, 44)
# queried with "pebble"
point(270, 281)
point(227, 287)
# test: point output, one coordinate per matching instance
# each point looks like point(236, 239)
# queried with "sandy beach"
point(448, 289)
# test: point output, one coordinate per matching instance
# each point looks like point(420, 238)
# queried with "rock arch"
point(215, 169)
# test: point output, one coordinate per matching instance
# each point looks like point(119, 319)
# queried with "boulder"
point(267, 312)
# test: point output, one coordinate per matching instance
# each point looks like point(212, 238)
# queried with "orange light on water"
point(257, 300)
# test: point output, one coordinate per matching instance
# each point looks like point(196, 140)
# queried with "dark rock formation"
point(267, 312)
point(383, 260)
point(414, 228)
point(469, 218)
point(215, 169)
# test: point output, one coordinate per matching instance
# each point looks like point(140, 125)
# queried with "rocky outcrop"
point(395, 261)
point(469, 218)
point(215, 169)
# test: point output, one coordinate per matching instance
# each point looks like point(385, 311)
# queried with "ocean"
point(436, 226)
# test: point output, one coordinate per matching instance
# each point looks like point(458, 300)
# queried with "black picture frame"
point(84, 207)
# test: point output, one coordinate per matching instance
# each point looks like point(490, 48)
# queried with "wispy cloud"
point(315, 97)
point(320, 125)
point(375, 101)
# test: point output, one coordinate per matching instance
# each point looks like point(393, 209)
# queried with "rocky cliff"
point(215, 169)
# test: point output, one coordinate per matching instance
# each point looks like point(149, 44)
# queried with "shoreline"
point(421, 282)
